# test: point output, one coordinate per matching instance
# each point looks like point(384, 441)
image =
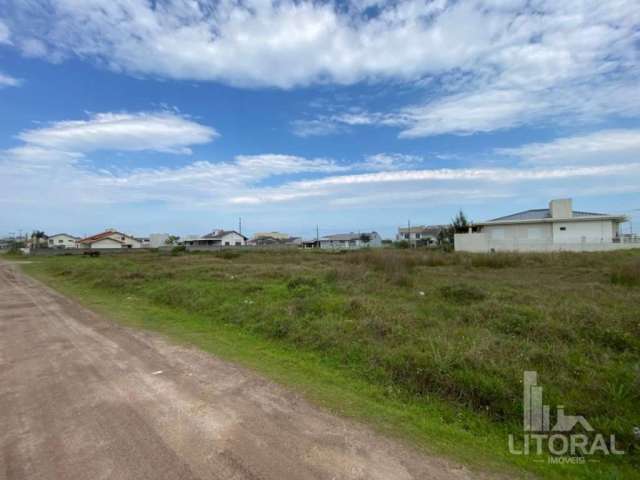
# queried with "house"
point(63, 240)
point(275, 241)
point(343, 241)
point(110, 239)
point(145, 242)
point(217, 238)
point(420, 234)
point(157, 240)
point(274, 235)
point(558, 227)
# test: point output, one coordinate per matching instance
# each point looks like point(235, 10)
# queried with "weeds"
point(477, 324)
point(627, 274)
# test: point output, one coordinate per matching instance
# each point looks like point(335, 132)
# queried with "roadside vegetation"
point(426, 344)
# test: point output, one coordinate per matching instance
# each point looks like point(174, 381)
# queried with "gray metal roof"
point(541, 214)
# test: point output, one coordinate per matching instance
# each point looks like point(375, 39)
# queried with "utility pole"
point(409, 229)
point(317, 233)
point(240, 225)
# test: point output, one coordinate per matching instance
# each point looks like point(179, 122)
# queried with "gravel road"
point(82, 397)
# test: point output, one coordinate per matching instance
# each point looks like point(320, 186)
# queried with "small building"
point(420, 234)
point(558, 227)
point(217, 238)
point(266, 241)
point(63, 240)
point(346, 241)
point(157, 240)
point(273, 235)
point(110, 239)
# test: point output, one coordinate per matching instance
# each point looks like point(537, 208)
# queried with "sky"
point(183, 116)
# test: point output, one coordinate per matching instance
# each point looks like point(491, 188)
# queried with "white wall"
point(157, 240)
point(62, 241)
point(106, 243)
point(232, 239)
point(600, 231)
point(580, 236)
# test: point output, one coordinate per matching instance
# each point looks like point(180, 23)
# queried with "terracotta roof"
point(101, 236)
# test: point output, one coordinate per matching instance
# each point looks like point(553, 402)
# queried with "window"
point(60, 241)
point(406, 236)
point(226, 243)
point(563, 229)
point(417, 235)
point(238, 243)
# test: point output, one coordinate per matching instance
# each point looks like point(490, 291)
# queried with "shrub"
point(178, 249)
point(627, 274)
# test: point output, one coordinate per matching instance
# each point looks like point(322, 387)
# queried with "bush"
point(627, 274)
point(178, 250)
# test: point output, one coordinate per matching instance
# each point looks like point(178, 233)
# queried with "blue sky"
point(182, 116)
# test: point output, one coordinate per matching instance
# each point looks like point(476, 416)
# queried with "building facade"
point(347, 241)
point(556, 228)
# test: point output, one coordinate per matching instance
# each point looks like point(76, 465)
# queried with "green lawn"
point(425, 346)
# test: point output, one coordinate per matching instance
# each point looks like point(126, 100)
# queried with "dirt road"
point(84, 398)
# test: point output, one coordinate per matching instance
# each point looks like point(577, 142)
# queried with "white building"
point(344, 241)
point(558, 227)
point(218, 238)
point(62, 240)
point(110, 239)
point(157, 240)
point(420, 234)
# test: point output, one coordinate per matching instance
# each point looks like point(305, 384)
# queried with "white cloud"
point(5, 34)
point(603, 147)
point(389, 161)
point(160, 131)
point(9, 81)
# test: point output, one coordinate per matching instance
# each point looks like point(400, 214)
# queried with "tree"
point(37, 236)
point(171, 240)
point(459, 224)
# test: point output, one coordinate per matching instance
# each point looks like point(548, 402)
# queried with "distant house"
point(267, 239)
point(110, 239)
point(420, 234)
point(275, 235)
point(343, 241)
point(217, 238)
point(558, 227)
point(157, 240)
point(63, 240)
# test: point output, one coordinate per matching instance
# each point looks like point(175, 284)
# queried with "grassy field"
point(424, 345)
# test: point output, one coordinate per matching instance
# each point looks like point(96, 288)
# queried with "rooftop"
point(542, 214)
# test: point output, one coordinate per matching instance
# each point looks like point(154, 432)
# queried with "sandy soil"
point(82, 397)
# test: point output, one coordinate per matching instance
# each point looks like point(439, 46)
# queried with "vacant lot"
point(447, 335)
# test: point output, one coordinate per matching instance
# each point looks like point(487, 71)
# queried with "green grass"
point(422, 345)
